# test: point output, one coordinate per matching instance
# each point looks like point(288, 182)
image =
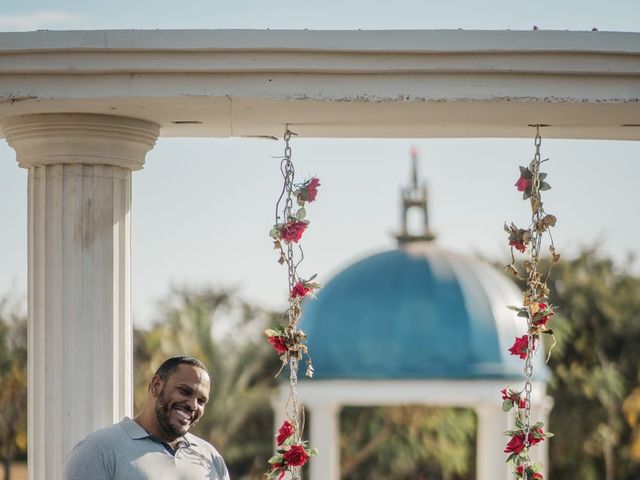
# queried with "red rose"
point(279, 343)
point(296, 456)
point(292, 231)
point(543, 320)
point(514, 397)
point(536, 436)
point(531, 475)
point(286, 430)
point(299, 290)
point(519, 348)
point(516, 444)
point(309, 191)
point(522, 184)
point(518, 245)
point(312, 189)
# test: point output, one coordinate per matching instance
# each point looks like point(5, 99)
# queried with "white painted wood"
point(490, 441)
point(325, 436)
point(80, 330)
point(326, 397)
point(446, 83)
point(462, 393)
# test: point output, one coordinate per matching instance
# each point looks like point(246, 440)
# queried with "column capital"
point(80, 138)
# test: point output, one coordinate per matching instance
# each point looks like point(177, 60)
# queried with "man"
point(155, 445)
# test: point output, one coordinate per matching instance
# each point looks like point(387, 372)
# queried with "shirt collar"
point(136, 432)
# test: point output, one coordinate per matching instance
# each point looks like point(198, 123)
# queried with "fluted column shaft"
point(490, 459)
point(325, 436)
point(80, 326)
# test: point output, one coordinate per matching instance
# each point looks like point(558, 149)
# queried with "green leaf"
point(524, 172)
point(301, 214)
point(542, 176)
point(514, 308)
point(526, 194)
point(507, 405)
point(278, 458)
point(544, 186)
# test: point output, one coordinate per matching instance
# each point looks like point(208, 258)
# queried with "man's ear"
point(155, 385)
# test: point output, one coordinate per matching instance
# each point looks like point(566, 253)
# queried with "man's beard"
point(163, 414)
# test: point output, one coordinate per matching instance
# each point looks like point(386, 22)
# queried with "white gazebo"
point(83, 108)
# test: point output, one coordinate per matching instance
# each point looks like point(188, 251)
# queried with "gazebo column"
point(490, 459)
point(325, 436)
point(540, 453)
point(80, 327)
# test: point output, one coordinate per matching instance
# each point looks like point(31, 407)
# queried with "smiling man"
point(156, 443)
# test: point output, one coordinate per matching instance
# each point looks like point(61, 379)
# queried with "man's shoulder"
point(113, 434)
point(201, 444)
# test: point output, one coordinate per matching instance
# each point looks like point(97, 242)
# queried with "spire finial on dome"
point(414, 196)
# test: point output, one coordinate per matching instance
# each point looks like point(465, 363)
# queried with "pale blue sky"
point(203, 207)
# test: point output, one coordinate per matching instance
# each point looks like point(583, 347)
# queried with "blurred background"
point(206, 280)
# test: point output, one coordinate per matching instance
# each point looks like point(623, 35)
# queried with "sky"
point(202, 208)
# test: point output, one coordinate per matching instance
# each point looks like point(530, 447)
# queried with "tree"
point(13, 385)
point(226, 333)
point(595, 369)
point(408, 442)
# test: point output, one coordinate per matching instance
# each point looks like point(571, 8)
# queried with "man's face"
point(181, 399)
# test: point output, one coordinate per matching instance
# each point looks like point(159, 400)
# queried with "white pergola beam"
point(333, 84)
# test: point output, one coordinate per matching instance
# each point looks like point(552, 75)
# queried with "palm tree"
point(224, 332)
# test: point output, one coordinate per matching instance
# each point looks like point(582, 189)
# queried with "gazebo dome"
point(418, 312)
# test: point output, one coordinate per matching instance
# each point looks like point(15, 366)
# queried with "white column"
point(490, 459)
point(540, 453)
point(80, 329)
point(325, 436)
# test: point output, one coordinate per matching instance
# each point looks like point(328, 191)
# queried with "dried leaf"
point(549, 220)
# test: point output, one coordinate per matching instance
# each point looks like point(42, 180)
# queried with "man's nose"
point(193, 403)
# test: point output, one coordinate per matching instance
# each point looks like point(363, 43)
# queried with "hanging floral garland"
point(535, 308)
point(288, 340)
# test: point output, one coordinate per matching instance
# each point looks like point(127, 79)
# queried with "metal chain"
point(293, 410)
point(536, 243)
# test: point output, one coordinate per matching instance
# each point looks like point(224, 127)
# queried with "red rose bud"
point(519, 348)
point(544, 319)
point(296, 456)
point(516, 444)
point(279, 343)
point(522, 184)
point(536, 436)
point(286, 430)
point(518, 245)
point(299, 290)
point(312, 189)
point(531, 475)
point(292, 231)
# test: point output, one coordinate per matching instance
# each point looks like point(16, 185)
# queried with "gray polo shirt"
point(125, 451)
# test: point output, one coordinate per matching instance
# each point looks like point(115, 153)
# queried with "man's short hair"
point(170, 365)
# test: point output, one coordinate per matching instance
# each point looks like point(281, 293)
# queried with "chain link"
point(536, 244)
point(293, 407)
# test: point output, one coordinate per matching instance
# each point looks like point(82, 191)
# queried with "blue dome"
point(416, 313)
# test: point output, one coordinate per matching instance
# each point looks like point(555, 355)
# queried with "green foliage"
point(13, 382)
point(226, 334)
point(408, 442)
point(595, 368)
